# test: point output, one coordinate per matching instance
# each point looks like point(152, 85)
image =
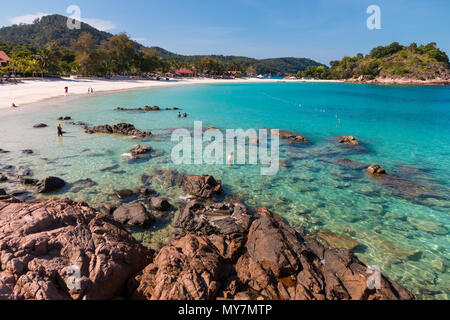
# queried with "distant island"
point(30, 44)
point(388, 64)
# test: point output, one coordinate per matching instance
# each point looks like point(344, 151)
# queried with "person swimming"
point(185, 115)
point(60, 132)
point(179, 114)
point(230, 159)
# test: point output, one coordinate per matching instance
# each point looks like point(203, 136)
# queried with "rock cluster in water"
point(220, 250)
point(146, 108)
point(121, 128)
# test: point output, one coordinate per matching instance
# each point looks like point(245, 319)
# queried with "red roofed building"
point(185, 72)
point(4, 59)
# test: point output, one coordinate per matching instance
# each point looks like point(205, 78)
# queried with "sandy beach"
point(32, 91)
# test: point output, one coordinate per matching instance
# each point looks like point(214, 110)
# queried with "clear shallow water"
point(405, 129)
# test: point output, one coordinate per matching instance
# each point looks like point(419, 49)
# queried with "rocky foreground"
point(221, 250)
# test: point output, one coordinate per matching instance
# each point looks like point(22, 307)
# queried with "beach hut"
point(4, 59)
point(184, 72)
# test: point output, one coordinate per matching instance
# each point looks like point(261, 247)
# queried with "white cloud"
point(99, 24)
point(27, 18)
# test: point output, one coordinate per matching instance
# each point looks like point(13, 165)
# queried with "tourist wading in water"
point(60, 132)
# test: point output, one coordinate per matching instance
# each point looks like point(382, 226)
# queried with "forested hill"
point(53, 28)
point(394, 61)
point(48, 29)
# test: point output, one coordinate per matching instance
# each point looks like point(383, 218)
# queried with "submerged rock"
point(64, 118)
point(201, 186)
point(50, 184)
point(429, 226)
point(43, 242)
point(3, 151)
point(40, 125)
point(337, 241)
point(134, 214)
point(27, 151)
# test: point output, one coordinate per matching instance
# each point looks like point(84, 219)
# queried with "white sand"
point(31, 91)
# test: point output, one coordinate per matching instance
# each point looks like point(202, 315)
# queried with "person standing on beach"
point(66, 90)
point(60, 132)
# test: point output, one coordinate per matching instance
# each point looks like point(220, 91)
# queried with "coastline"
point(32, 91)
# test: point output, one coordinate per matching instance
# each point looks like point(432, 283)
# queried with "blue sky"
point(323, 30)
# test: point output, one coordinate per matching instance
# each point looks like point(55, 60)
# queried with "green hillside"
point(53, 28)
point(424, 62)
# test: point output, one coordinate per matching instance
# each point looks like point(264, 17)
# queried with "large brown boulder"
point(188, 269)
point(134, 214)
point(201, 186)
point(42, 242)
point(283, 264)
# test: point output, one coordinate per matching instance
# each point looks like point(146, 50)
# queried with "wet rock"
point(348, 140)
point(40, 125)
point(201, 186)
point(376, 170)
point(78, 123)
point(3, 151)
point(336, 241)
point(50, 184)
point(2, 192)
point(290, 136)
point(40, 241)
point(134, 214)
point(159, 204)
point(3, 178)
point(107, 208)
point(144, 191)
point(139, 152)
point(121, 129)
point(124, 194)
point(23, 172)
point(154, 108)
point(64, 118)
point(27, 151)
point(29, 181)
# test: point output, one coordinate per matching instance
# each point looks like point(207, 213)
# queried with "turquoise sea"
point(406, 130)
